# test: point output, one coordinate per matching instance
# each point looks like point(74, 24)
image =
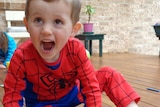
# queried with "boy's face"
point(50, 26)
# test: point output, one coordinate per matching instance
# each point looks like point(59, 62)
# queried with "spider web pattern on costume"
point(46, 84)
point(116, 87)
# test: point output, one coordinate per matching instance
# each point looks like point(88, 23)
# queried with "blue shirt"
point(6, 57)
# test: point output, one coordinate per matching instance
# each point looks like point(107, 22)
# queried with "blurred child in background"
point(7, 48)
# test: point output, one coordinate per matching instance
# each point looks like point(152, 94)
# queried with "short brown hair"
point(3, 42)
point(76, 8)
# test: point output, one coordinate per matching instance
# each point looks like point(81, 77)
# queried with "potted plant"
point(88, 27)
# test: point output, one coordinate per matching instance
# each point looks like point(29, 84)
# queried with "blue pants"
point(70, 100)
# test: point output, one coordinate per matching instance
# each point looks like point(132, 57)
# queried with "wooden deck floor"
point(141, 71)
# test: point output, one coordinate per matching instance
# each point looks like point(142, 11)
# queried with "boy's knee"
point(107, 71)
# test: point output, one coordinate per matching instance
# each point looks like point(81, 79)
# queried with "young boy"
point(52, 70)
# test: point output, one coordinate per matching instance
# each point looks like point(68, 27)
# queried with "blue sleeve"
point(11, 48)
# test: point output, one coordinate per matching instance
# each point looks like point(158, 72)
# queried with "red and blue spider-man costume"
point(67, 82)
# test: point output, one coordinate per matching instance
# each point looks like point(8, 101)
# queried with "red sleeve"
point(86, 74)
point(14, 83)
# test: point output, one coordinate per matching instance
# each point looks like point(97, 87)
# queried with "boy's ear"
point(76, 28)
point(25, 22)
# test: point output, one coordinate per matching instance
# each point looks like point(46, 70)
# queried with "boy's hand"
point(2, 66)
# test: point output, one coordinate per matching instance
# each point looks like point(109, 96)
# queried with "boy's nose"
point(47, 29)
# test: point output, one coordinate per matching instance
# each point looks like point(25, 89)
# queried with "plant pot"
point(88, 28)
point(157, 30)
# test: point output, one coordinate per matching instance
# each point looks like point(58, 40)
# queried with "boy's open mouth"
point(48, 45)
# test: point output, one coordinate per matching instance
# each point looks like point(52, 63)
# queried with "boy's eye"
point(58, 21)
point(38, 20)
